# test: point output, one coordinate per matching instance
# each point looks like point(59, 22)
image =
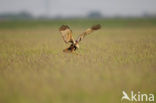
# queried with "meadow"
point(33, 68)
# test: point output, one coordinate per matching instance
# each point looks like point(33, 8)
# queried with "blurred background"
point(120, 56)
point(60, 9)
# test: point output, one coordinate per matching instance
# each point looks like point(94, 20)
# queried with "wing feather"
point(88, 31)
point(66, 34)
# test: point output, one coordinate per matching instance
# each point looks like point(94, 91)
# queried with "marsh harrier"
point(66, 33)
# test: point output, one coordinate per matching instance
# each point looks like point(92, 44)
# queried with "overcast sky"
point(79, 7)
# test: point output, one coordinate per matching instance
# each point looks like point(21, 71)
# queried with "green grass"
point(108, 23)
point(33, 68)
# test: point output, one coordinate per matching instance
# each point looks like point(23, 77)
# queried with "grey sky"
point(79, 7)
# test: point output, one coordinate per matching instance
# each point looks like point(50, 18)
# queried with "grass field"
point(33, 68)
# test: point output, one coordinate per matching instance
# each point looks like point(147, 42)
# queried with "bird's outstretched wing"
point(66, 34)
point(88, 31)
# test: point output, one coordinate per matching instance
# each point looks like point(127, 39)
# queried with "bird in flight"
point(66, 33)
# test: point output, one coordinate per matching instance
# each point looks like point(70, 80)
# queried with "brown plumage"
point(68, 38)
point(66, 34)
